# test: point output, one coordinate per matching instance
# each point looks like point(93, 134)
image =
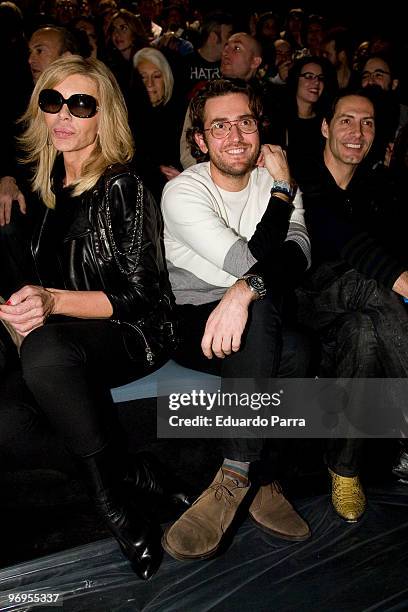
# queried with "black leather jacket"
point(109, 239)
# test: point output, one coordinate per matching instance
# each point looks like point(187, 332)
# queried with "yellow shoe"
point(348, 497)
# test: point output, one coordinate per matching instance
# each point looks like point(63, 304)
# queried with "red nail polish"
point(8, 303)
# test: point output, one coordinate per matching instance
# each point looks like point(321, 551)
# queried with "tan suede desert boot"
point(198, 533)
point(271, 512)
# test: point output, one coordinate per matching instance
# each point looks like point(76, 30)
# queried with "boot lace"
point(220, 491)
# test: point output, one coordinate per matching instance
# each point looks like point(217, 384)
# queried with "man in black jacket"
point(351, 292)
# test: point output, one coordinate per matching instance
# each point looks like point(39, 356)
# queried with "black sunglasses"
point(79, 105)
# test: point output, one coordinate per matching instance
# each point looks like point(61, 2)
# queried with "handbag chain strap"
point(137, 231)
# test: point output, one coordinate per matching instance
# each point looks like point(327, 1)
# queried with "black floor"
point(45, 511)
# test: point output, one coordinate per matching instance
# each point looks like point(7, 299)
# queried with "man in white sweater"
point(234, 238)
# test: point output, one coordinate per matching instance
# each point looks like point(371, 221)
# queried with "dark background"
point(362, 16)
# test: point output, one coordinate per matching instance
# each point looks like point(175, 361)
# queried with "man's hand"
point(273, 158)
point(168, 40)
point(9, 192)
point(28, 308)
point(226, 323)
point(401, 285)
point(170, 172)
point(283, 69)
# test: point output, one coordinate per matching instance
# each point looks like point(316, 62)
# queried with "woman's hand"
point(9, 192)
point(28, 308)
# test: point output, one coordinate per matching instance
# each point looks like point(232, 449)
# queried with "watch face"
point(257, 283)
point(283, 187)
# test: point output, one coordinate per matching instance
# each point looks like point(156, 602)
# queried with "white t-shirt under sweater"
point(206, 230)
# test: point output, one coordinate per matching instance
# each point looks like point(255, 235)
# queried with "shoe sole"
point(343, 518)
point(278, 534)
point(226, 539)
point(180, 557)
point(347, 520)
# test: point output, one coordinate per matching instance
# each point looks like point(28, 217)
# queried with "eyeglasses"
point(377, 74)
point(79, 105)
point(220, 129)
point(310, 76)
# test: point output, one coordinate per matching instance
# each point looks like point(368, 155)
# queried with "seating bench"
point(170, 377)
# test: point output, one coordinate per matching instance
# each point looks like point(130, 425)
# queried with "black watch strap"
point(256, 284)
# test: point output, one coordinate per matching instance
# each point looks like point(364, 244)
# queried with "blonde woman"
point(99, 315)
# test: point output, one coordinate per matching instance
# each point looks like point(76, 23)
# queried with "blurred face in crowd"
point(380, 44)
point(106, 9)
point(377, 72)
point(360, 55)
point(122, 36)
point(85, 8)
point(240, 58)
point(283, 51)
point(224, 34)
point(270, 28)
point(351, 131)
point(310, 83)
point(330, 53)
point(66, 10)
point(218, 38)
point(295, 22)
point(90, 31)
point(149, 9)
point(44, 48)
point(153, 81)
point(314, 36)
point(174, 20)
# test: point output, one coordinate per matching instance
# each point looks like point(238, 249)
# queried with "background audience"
point(163, 52)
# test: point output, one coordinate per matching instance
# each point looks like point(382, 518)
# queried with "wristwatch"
point(283, 187)
point(256, 284)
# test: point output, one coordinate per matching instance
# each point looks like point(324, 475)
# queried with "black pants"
point(266, 352)
point(67, 369)
point(364, 333)
point(16, 262)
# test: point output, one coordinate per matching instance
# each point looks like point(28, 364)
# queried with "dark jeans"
point(364, 333)
point(67, 369)
point(266, 352)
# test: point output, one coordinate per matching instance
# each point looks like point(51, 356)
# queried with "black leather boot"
point(147, 475)
point(138, 537)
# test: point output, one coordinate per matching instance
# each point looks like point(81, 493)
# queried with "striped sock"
point(236, 470)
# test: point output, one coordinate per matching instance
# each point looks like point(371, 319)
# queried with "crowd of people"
point(170, 180)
